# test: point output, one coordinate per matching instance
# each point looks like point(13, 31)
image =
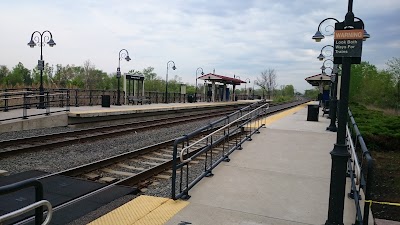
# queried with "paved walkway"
point(281, 177)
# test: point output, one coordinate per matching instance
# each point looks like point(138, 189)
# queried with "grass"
point(381, 132)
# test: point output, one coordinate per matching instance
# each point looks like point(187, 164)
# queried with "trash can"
point(190, 98)
point(105, 101)
point(313, 111)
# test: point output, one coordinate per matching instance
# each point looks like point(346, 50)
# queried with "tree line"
point(371, 86)
point(88, 77)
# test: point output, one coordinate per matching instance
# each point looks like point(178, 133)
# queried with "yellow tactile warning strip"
point(143, 210)
point(278, 116)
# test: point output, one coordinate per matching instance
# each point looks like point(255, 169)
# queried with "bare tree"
point(90, 75)
point(394, 70)
point(267, 81)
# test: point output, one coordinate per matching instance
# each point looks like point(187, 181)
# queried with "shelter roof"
point(221, 79)
point(315, 80)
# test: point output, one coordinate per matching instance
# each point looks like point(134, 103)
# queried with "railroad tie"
point(153, 158)
point(161, 154)
point(130, 167)
point(92, 176)
point(143, 162)
point(108, 179)
point(122, 173)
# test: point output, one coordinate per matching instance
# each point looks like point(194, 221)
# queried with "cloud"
point(233, 37)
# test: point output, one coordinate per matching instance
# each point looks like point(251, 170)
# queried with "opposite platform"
point(281, 177)
point(90, 112)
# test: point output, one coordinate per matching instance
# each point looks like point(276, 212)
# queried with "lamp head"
point(174, 67)
point(32, 44)
point(323, 67)
point(51, 43)
point(366, 35)
point(321, 57)
point(318, 36)
point(127, 58)
point(202, 73)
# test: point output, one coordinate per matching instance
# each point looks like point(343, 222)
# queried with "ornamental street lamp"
point(202, 73)
point(328, 53)
point(340, 154)
point(40, 39)
point(123, 54)
point(245, 90)
point(166, 79)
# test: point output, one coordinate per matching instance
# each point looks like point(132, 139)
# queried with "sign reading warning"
point(348, 43)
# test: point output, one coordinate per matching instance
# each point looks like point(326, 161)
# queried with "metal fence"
point(360, 168)
point(219, 139)
point(28, 100)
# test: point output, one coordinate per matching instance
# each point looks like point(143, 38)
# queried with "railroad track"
point(15, 146)
point(139, 168)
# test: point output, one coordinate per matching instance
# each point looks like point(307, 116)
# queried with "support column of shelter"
point(213, 91)
point(224, 93)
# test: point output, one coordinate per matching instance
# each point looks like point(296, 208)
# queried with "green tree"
point(311, 93)
point(20, 75)
point(47, 75)
point(4, 72)
point(394, 70)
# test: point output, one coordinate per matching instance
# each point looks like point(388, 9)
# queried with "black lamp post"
point(202, 73)
point(333, 99)
point(340, 154)
point(166, 79)
point(245, 90)
point(122, 54)
point(40, 39)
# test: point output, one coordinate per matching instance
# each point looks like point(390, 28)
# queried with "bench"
point(136, 100)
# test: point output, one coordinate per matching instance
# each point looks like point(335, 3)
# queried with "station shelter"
point(133, 86)
point(219, 92)
point(321, 81)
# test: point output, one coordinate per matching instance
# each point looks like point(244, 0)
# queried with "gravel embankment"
point(54, 160)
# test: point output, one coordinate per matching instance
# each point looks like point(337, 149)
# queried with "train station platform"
point(280, 177)
point(13, 121)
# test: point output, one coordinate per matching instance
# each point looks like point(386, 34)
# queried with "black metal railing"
point(224, 136)
point(360, 168)
point(28, 100)
point(27, 184)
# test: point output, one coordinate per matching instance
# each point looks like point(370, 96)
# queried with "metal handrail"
point(28, 208)
point(354, 156)
point(366, 168)
point(216, 131)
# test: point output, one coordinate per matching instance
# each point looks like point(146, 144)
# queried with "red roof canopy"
point(221, 79)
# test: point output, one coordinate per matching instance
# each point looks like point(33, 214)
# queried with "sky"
point(234, 37)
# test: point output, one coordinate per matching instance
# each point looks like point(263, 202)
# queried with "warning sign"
point(348, 43)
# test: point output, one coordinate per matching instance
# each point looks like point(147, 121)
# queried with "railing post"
point(90, 98)
point(68, 99)
point(5, 101)
point(38, 194)
point(47, 103)
point(76, 98)
point(24, 110)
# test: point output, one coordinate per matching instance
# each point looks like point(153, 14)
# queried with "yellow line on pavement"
point(143, 210)
point(270, 119)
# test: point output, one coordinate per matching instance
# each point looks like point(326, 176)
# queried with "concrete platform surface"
point(281, 177)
